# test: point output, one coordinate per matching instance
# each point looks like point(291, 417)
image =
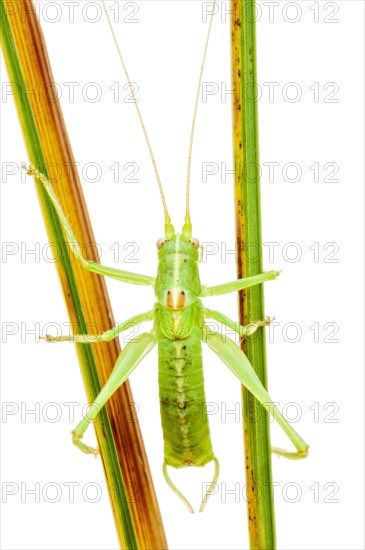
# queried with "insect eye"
point(160, 243)
point(195, 243)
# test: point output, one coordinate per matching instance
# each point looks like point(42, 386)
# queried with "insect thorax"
point(177, 325)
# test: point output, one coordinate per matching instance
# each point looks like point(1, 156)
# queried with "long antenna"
point(167, 216)
point(187, 212)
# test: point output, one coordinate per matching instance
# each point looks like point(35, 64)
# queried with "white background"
point(318, 501)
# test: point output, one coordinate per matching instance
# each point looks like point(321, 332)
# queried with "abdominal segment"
point(182, 402)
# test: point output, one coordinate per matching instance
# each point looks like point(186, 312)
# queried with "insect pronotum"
point(178, 330)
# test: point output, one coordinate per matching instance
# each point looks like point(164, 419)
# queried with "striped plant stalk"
point(249, 262)
point(138, 520)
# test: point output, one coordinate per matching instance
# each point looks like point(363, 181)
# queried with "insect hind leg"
point(128, 360)
point(238, 363)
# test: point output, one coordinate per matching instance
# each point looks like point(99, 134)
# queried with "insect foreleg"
point(127, 361)
point(238, 363)
point(239, 284)
point(125, 276)
point(105, 336)
point(241, 330)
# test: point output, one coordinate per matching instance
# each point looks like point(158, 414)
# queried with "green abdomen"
point(182, 401)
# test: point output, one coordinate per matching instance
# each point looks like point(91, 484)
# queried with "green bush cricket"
point(178, 330)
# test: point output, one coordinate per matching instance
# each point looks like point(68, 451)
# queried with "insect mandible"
point(178, 330)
